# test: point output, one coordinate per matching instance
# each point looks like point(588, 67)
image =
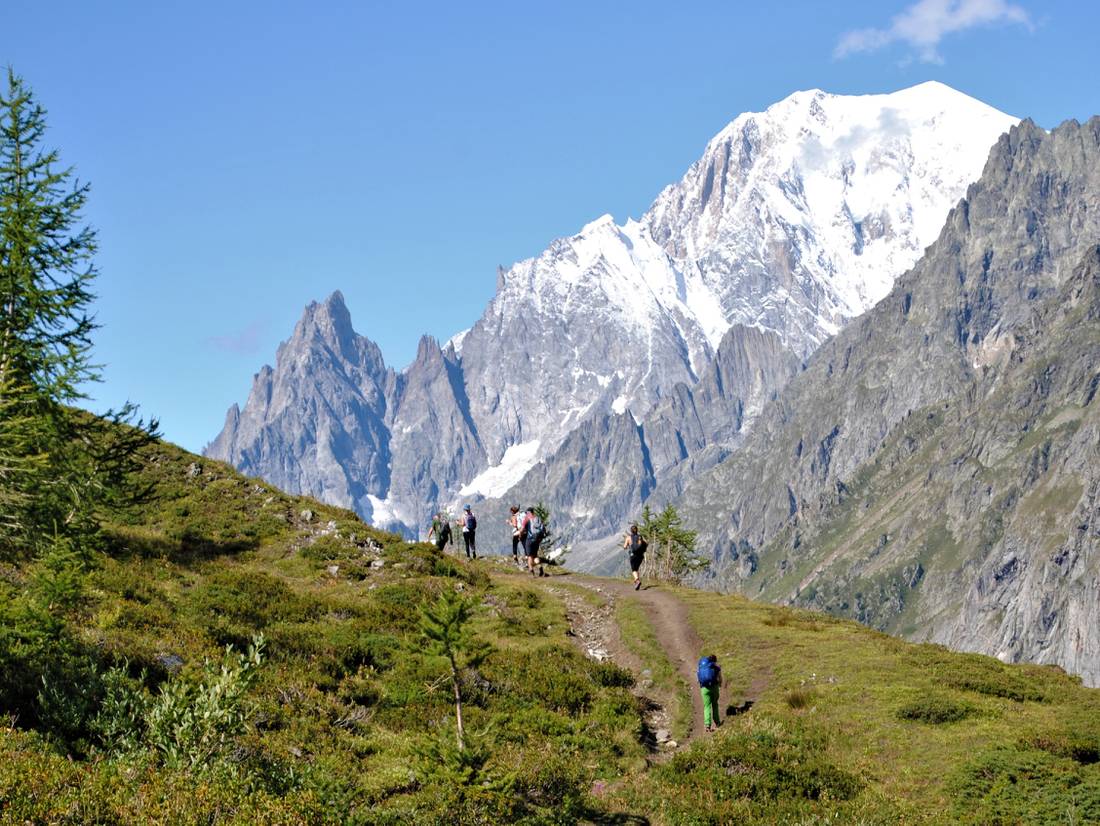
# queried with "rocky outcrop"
point(934, 469)
point(610, 465)
point(331, 420)
point(434, 442)
point(316, 422)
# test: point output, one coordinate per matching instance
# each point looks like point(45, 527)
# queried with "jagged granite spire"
point(316, 422)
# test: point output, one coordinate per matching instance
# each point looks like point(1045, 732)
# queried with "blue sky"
point(247, 158)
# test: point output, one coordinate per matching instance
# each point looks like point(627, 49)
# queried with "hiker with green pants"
point(710, 683)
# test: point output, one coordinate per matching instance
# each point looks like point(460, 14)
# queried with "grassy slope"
point(346, 708)
point(1025, 751)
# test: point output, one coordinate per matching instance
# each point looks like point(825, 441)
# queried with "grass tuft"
point(800, 698)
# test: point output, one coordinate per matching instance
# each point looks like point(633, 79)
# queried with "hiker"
point(469, 527)
point(515, 521)
point(441, 529)
point(532, 533)
point(710, 683)
point(636, 544)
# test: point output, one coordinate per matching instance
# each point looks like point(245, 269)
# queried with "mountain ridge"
point(922, 472)
point(614, 319)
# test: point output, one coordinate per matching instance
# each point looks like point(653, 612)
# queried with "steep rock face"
point(316, 422)
point(609, 466)
point(603, 465)
point(593, 325)
point(331, 420)
point(434, 443)
point(933, 471)
point(750, 367)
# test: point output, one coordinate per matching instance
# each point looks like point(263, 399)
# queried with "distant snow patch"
point(497, 480)
point(457, 339)
point(619, 405)
point(381, 511)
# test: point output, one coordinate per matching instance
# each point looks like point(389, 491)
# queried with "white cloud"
point(925, 23)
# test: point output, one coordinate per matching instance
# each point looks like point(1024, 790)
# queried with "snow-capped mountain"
point(795, 220)
point(799, 218)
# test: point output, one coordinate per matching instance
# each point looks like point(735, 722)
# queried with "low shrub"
point(610, 675)
point(985, 675)
point(1079, 747)
point(360, 688)
point(522, 598)
point(1007, 785)
point(190, 724)
point(998, 684)
point(552, 676)
point(554, 785)
point(39, 786)
point(234, 604)
point(334, 648)
point(395, 608)
point(935, 709)
point(751, 770)
point(788, 618)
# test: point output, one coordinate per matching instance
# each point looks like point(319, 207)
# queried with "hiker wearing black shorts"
point(469, 527)
point(635, 543)
point(532, 533)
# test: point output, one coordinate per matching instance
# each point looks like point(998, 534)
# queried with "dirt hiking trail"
point(667, 615)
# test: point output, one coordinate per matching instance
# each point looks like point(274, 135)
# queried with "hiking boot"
point(638, 585)
point(710, 728)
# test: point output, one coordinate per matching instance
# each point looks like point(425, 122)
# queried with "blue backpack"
point(708, 672)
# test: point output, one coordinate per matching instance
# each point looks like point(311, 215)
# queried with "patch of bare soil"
point(594, 629)
point(669, 618)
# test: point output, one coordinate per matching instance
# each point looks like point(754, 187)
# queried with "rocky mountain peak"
point(794, 220)
point(799, 218)
point(327, 322)
point(428, 351)
point(324, 333)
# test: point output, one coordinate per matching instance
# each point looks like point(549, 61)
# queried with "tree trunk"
point(458, 706)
